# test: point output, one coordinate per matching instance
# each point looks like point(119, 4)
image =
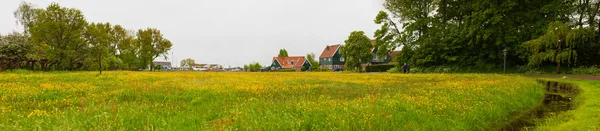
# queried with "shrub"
point(394, 70)
point(287, 70)
point(586, 70)
point(379, 68)
point(322, 70)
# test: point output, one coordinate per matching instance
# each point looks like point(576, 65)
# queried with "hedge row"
point(379, 68)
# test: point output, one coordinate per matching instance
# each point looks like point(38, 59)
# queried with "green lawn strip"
point(587, 114)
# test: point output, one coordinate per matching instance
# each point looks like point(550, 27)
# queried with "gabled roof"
point(329, 51)
point(373, 44)
point(284, 61)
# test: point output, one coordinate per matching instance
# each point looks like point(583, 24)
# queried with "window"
point(342, 59)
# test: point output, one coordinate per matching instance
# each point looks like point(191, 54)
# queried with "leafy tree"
point(99, 38)
point(128, 48)
point(312, 59)
point(357, 50)
point(15, 45)
point(283, 53)
point(253, 67)
point(152, 46)
point(25, 15)
point(60, 31)
point(555, 46)
point(387, 36)
point(189, 61)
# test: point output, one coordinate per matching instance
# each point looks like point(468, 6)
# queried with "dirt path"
point(576, 77)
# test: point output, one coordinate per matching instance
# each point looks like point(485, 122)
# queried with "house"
point(331, 58)
point(292, 62)
point(376, 59)
point(163, 64)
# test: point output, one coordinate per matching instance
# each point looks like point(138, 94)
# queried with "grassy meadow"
point(262, 101)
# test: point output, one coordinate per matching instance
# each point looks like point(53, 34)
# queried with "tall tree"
point(60, 31)
point(357, 50)
point(128, 47)
point(189, 61)
point(283, 53)
point(554, 46)
point(152, 46)
point(100, 40)
point(312, 59)
point(25, 15)
point(387, 36)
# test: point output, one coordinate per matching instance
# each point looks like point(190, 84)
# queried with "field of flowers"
point(261, 101)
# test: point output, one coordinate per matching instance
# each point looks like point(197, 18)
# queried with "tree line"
point(474, 33)
point(60, 38)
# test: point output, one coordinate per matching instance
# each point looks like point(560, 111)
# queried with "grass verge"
point(585, 117)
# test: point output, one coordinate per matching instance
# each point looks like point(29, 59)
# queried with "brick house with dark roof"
point(331, 58)
point(292, 62)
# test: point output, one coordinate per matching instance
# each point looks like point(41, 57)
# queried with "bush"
point(394, 70)
point(287, 70)
point(586, 70)
point(379, 68)
point(322, 70)
point(315, 68)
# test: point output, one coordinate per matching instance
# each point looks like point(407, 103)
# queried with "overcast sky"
point(228, 32)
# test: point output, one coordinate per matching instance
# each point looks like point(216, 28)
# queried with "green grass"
point(262, 101)
point(585, 117)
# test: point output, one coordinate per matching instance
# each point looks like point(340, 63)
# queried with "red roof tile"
point(285, 62)
point(329, 51)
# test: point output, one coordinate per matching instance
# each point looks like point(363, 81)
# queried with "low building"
point(163, 64)
point(331, 58)
point(292, 62)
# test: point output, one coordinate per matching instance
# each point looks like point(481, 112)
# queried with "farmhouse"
point(292, 62)
point(331, 58)
point(377, 60)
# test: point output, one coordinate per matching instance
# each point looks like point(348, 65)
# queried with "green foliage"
point(189, 61)
point(471, 33)
point(59, 30)
point(152, 45)
point(555, 46)
point(386, 37)
point(62, 35)
point(379, 68)
point(313, 60)
point(593, 70)
point(253, 67)
point(99, 39)
point(287, 70)
point(114, 63)
point(393, 70)
point(283, 53)
point(318, 69)
point(357, 50)
point(15, 45)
